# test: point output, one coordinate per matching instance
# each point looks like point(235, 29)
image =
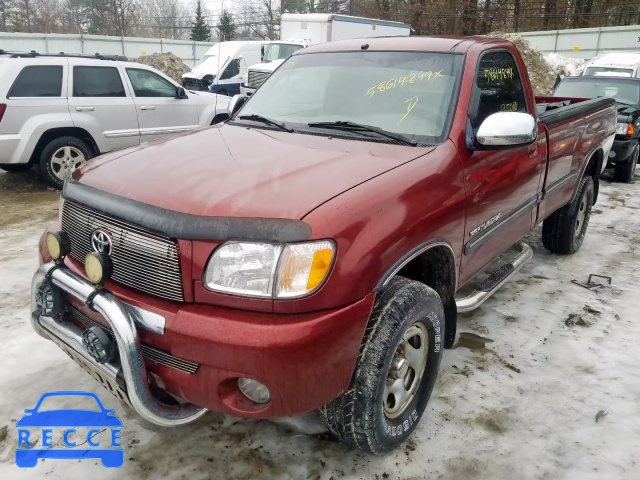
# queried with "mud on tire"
point(361, 417)
point(564, 230)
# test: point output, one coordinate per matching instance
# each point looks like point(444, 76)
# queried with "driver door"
point(160, 112)
point(503, 185)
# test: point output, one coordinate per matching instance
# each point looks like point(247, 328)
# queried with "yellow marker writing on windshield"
point(408, 79)
point(411, 103)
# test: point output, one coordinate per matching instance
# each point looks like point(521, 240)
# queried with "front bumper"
point(126, 376)
point(622, 150)
point(305, 360)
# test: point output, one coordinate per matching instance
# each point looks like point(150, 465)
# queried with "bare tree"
point(261, 17)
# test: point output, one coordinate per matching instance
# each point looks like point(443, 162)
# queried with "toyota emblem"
point(101, 242)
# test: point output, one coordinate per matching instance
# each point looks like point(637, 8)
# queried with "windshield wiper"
point(267, 121)
point(358, 127)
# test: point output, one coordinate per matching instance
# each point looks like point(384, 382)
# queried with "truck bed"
point(553, 110)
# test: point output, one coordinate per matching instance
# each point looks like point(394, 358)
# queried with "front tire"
point(564, 230)
point(624, 172)
point(395, 372)
point(61, 155)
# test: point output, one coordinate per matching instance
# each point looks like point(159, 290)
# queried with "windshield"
point(408, 93)
point(623, 92)
point(628, 72)
point(279, 51)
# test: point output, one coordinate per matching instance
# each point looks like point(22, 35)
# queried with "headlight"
point(269, 271)
point(624, 128)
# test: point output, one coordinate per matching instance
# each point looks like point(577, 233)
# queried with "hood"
point(266, 67)
point(236, 171)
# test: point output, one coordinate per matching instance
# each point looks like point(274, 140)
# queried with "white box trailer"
point(328, 27)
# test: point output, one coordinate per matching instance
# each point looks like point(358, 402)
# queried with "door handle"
point(147, 107)
point(85, 109)
point(533, 151)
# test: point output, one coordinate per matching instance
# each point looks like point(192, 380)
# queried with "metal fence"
point(586, 42)
point(190, 52)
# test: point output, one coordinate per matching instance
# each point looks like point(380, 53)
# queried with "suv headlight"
point(269, 271)
point(624, 128)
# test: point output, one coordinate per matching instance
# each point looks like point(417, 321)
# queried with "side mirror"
point(236, 103)
point(181, 93)
point(506, 130)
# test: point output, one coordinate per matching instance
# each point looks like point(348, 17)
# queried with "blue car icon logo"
point(67, 420)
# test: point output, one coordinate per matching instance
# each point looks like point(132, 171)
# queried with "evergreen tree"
point(226, 27)
point(200, 31)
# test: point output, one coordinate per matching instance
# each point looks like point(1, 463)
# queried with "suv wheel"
point(60, 156)
point(395, 372)
point(564, 230)
point(15, 167)
point(624, 172)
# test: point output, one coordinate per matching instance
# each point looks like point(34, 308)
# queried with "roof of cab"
point(427, 44)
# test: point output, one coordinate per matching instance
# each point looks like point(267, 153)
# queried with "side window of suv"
point(37, 81)
point(148, 84)
point(498, 87)
point(232, 70)
point(97, 82)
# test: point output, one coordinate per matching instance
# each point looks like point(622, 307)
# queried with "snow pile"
point(565, 66)
point(541, 74)
point(167, 63)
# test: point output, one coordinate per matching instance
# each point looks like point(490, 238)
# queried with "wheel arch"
point(54, 133)
point(434, 264)
point(593, 168)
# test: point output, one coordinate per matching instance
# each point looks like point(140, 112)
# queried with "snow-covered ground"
point(565, 66)
point(523, 407)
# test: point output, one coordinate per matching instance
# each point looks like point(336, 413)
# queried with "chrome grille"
point(150, 353)
point(255, 79)
point(142, 260)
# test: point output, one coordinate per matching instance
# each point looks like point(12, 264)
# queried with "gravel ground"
point(524, 406)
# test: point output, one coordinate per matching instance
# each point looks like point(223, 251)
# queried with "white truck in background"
point(301, 30)
point(615, 64)
point(273, 54)
point(224, 67)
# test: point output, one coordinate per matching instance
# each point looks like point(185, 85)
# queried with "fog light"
point(612, 154)
point(254, 391)
point(58, 244)
point(97, 267)
point(98, 344)
point(49, 300)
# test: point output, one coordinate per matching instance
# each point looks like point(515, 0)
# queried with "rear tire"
point(395, 372)
point(624, 172)
point(61, 155)
point(564, 230)
point(15, 167)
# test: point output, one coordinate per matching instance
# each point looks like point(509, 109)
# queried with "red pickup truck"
point(311, 252)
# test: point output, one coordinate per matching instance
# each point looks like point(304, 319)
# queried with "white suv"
point(61, 110)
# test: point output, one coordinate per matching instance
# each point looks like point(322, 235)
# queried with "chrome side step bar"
point(129, 364)
point(498, 278)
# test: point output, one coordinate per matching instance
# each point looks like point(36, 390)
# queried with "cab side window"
point(498, 87)
point(232, 70)
point(148, 84)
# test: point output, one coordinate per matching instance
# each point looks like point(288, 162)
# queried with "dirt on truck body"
point(313, 252)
